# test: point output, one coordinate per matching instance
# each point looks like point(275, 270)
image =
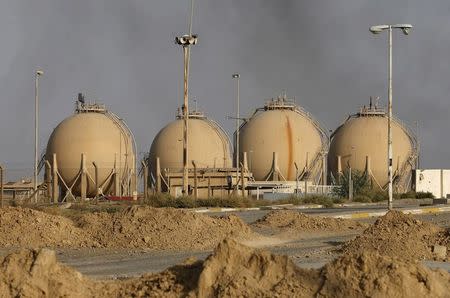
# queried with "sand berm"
point(232, 270)
point(138, 227)
point(402, 236)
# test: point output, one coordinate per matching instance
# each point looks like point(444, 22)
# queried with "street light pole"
point(237, 77)
point(376, 30)
point(390, 202)
point(36, 130)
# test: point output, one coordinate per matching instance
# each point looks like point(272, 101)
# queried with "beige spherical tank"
point(209, 146)
point(361, 143)
point(104, 140)
point(283, 128)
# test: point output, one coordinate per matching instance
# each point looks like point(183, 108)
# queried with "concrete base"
point(441, 201)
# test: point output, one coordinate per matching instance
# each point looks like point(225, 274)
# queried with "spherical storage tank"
point(361, 143)
point(103, 139)
point(209, 146)
point(283, 128)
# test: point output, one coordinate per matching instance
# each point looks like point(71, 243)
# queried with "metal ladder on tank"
point(124, 128)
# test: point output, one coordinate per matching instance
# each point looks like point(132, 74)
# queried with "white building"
point(436, 181)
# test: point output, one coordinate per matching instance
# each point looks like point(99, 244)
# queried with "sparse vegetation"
point(416, 195)
point(364, 193)
point(164, 200)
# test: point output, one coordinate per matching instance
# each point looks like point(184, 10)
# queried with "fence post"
point(1, 185)
point(145, 177)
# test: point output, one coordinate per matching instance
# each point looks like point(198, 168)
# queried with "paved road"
point(251, 216)
point(310, 253)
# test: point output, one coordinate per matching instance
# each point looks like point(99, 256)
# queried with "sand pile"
point(399, 235)
point(372, 275)
point(161, 228)
point(177, 281)
point(233, 270)
point(288, 220)
point(135, 227)
point(30, 228)
point(36, 273)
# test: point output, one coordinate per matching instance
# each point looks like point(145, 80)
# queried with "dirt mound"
point(372, 275)
point(399, 235)
point(177, 281)
point(36, 273)
point(288, 220)
point(234, 270)
point(161, 228)
point(23, 227)
point(137, 227)
point(231, 270)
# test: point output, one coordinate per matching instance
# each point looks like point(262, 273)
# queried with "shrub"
point(362, 199)
point(416, 195)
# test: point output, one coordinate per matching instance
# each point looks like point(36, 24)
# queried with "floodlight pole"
point(376, 30)
point(186, 41)
point(390, 202)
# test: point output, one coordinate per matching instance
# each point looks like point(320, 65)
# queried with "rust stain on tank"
point(290, 148)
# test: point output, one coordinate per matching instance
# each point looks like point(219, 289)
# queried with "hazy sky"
point(122, 53)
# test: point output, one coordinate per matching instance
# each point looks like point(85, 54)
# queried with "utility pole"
point(237, 77)
point(418, 146)
point(36, 131)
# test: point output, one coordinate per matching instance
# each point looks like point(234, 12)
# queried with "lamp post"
point(38, 73)
point(376, 30)
point(237, 77)
point(186, 41)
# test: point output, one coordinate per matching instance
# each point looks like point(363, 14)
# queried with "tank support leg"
point(243, 182)
point(324, 171)
point(48, 178)
point(145, 178)
point(158, 175)
point(275, 167)
point(116, 177)
point(133, 171)
point(339, 168)
point(55, 189)
point(209, 187)
point(195, 181)
point(83, 178)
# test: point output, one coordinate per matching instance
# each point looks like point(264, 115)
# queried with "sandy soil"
point(400, 235)
point(292, 224)
point(232, 270)
point(378, 260)
point(137, 227)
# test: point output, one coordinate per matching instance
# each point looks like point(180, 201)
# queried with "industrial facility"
point(284, 143)
point(210, 169)
point(282, 150)
point(90, 154)
point(360, 144)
